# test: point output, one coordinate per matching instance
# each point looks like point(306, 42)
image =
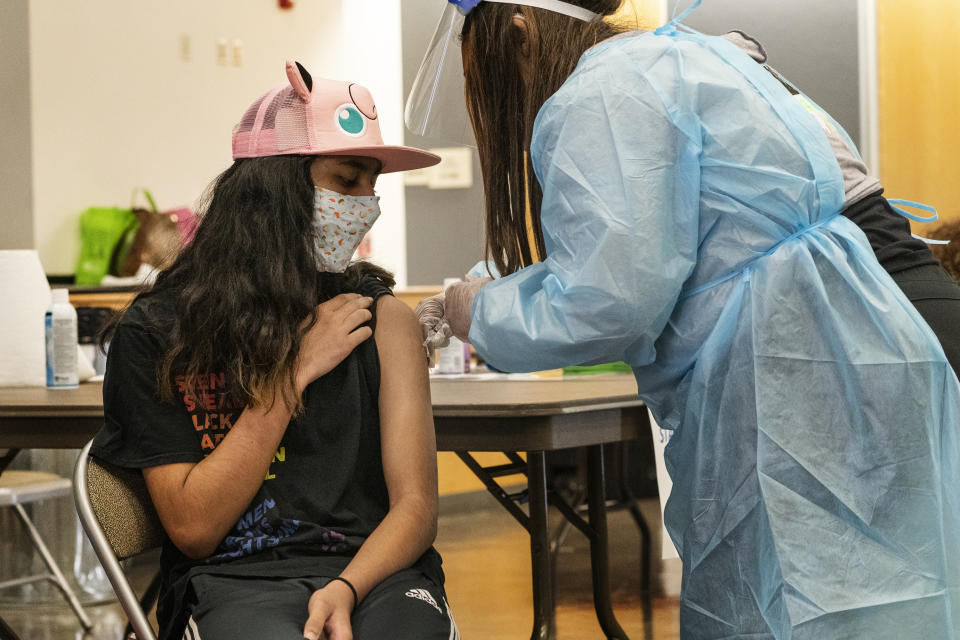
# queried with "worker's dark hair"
point(503, 107)
point(947, 254)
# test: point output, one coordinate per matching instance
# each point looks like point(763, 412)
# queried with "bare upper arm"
point(408, 441)
point(164, 483)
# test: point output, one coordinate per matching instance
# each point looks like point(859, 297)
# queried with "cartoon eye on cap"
point(350, 120)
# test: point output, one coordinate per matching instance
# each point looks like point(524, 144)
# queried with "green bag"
point(611, 367)
point(101, 228)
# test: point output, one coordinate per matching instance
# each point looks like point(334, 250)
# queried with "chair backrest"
point(119, 519)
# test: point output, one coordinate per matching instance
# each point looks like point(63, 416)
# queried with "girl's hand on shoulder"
point(329, 612)
point(335, 334)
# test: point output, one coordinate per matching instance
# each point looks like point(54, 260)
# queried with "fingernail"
point(309, 635)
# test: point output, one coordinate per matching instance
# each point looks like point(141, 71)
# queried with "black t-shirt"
point(324, 493)
point(889, 234)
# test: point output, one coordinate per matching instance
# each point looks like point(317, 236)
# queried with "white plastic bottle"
point(455, 357)
point(61, 333)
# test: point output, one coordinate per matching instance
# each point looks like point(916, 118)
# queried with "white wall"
point(116, 107)
point(372, 56)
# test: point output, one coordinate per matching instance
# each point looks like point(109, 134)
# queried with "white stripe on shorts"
point(191, 632)
point(454, 632)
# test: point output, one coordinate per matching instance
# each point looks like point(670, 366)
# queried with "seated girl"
point(276, 397)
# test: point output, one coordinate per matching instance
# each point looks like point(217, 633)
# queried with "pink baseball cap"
point(320, 117)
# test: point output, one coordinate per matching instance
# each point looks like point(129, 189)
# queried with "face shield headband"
point(435, 107)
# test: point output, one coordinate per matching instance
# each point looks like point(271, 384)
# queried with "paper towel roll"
point(26, 296)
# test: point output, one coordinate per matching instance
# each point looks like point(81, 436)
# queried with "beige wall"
point(918, 46)
point(16, 192)
point(116, 107)
point(642, 14)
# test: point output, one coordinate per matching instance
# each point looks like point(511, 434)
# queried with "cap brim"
point(392, 158)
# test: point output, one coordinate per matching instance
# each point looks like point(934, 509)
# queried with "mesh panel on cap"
point(288, 115)
point(280, 100)
point(250, 117)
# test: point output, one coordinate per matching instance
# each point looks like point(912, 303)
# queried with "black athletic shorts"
point(406, 606)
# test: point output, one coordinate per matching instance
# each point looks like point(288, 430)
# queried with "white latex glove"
point(459, 300)
point(436, 332)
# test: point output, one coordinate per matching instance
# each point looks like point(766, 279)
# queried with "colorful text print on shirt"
point(333, 542)
point(258, 529)
point(278, 457)
point(210, 406)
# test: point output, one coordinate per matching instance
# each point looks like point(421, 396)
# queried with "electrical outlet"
point(186, 53)
point(221, 51)
point(237, 52)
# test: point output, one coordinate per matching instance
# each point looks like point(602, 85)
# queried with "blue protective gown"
point(691, 219)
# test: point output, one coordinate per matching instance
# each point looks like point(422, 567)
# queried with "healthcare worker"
point(687, 212)
point(909, 259)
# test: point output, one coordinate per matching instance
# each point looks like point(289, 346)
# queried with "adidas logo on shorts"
point(423, 594)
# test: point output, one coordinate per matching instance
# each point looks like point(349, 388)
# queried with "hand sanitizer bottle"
point(61, 334)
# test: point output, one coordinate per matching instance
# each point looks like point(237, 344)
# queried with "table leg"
point(6, 633)
point(599, 551)
point(646, 566)
point(544, 608)
point(7, 458)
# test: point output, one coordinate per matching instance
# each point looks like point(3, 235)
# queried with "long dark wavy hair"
point(503, 107)
point(243, 294)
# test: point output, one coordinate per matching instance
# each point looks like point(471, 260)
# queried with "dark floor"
point(487, 563)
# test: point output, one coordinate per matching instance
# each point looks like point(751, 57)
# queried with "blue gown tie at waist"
point(749, 264)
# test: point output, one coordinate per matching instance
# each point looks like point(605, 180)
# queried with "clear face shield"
point(436, 107)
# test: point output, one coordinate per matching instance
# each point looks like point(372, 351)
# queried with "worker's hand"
point(458, 300)
point(436, 332)
point(336, 332)
point(329, 612)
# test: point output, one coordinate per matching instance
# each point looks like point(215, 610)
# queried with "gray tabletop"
point(470, 414)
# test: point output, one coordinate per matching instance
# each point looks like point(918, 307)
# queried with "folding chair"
point(18, 488)
point(120, 521)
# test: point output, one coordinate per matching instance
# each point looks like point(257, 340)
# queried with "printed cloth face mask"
point(339, 224)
